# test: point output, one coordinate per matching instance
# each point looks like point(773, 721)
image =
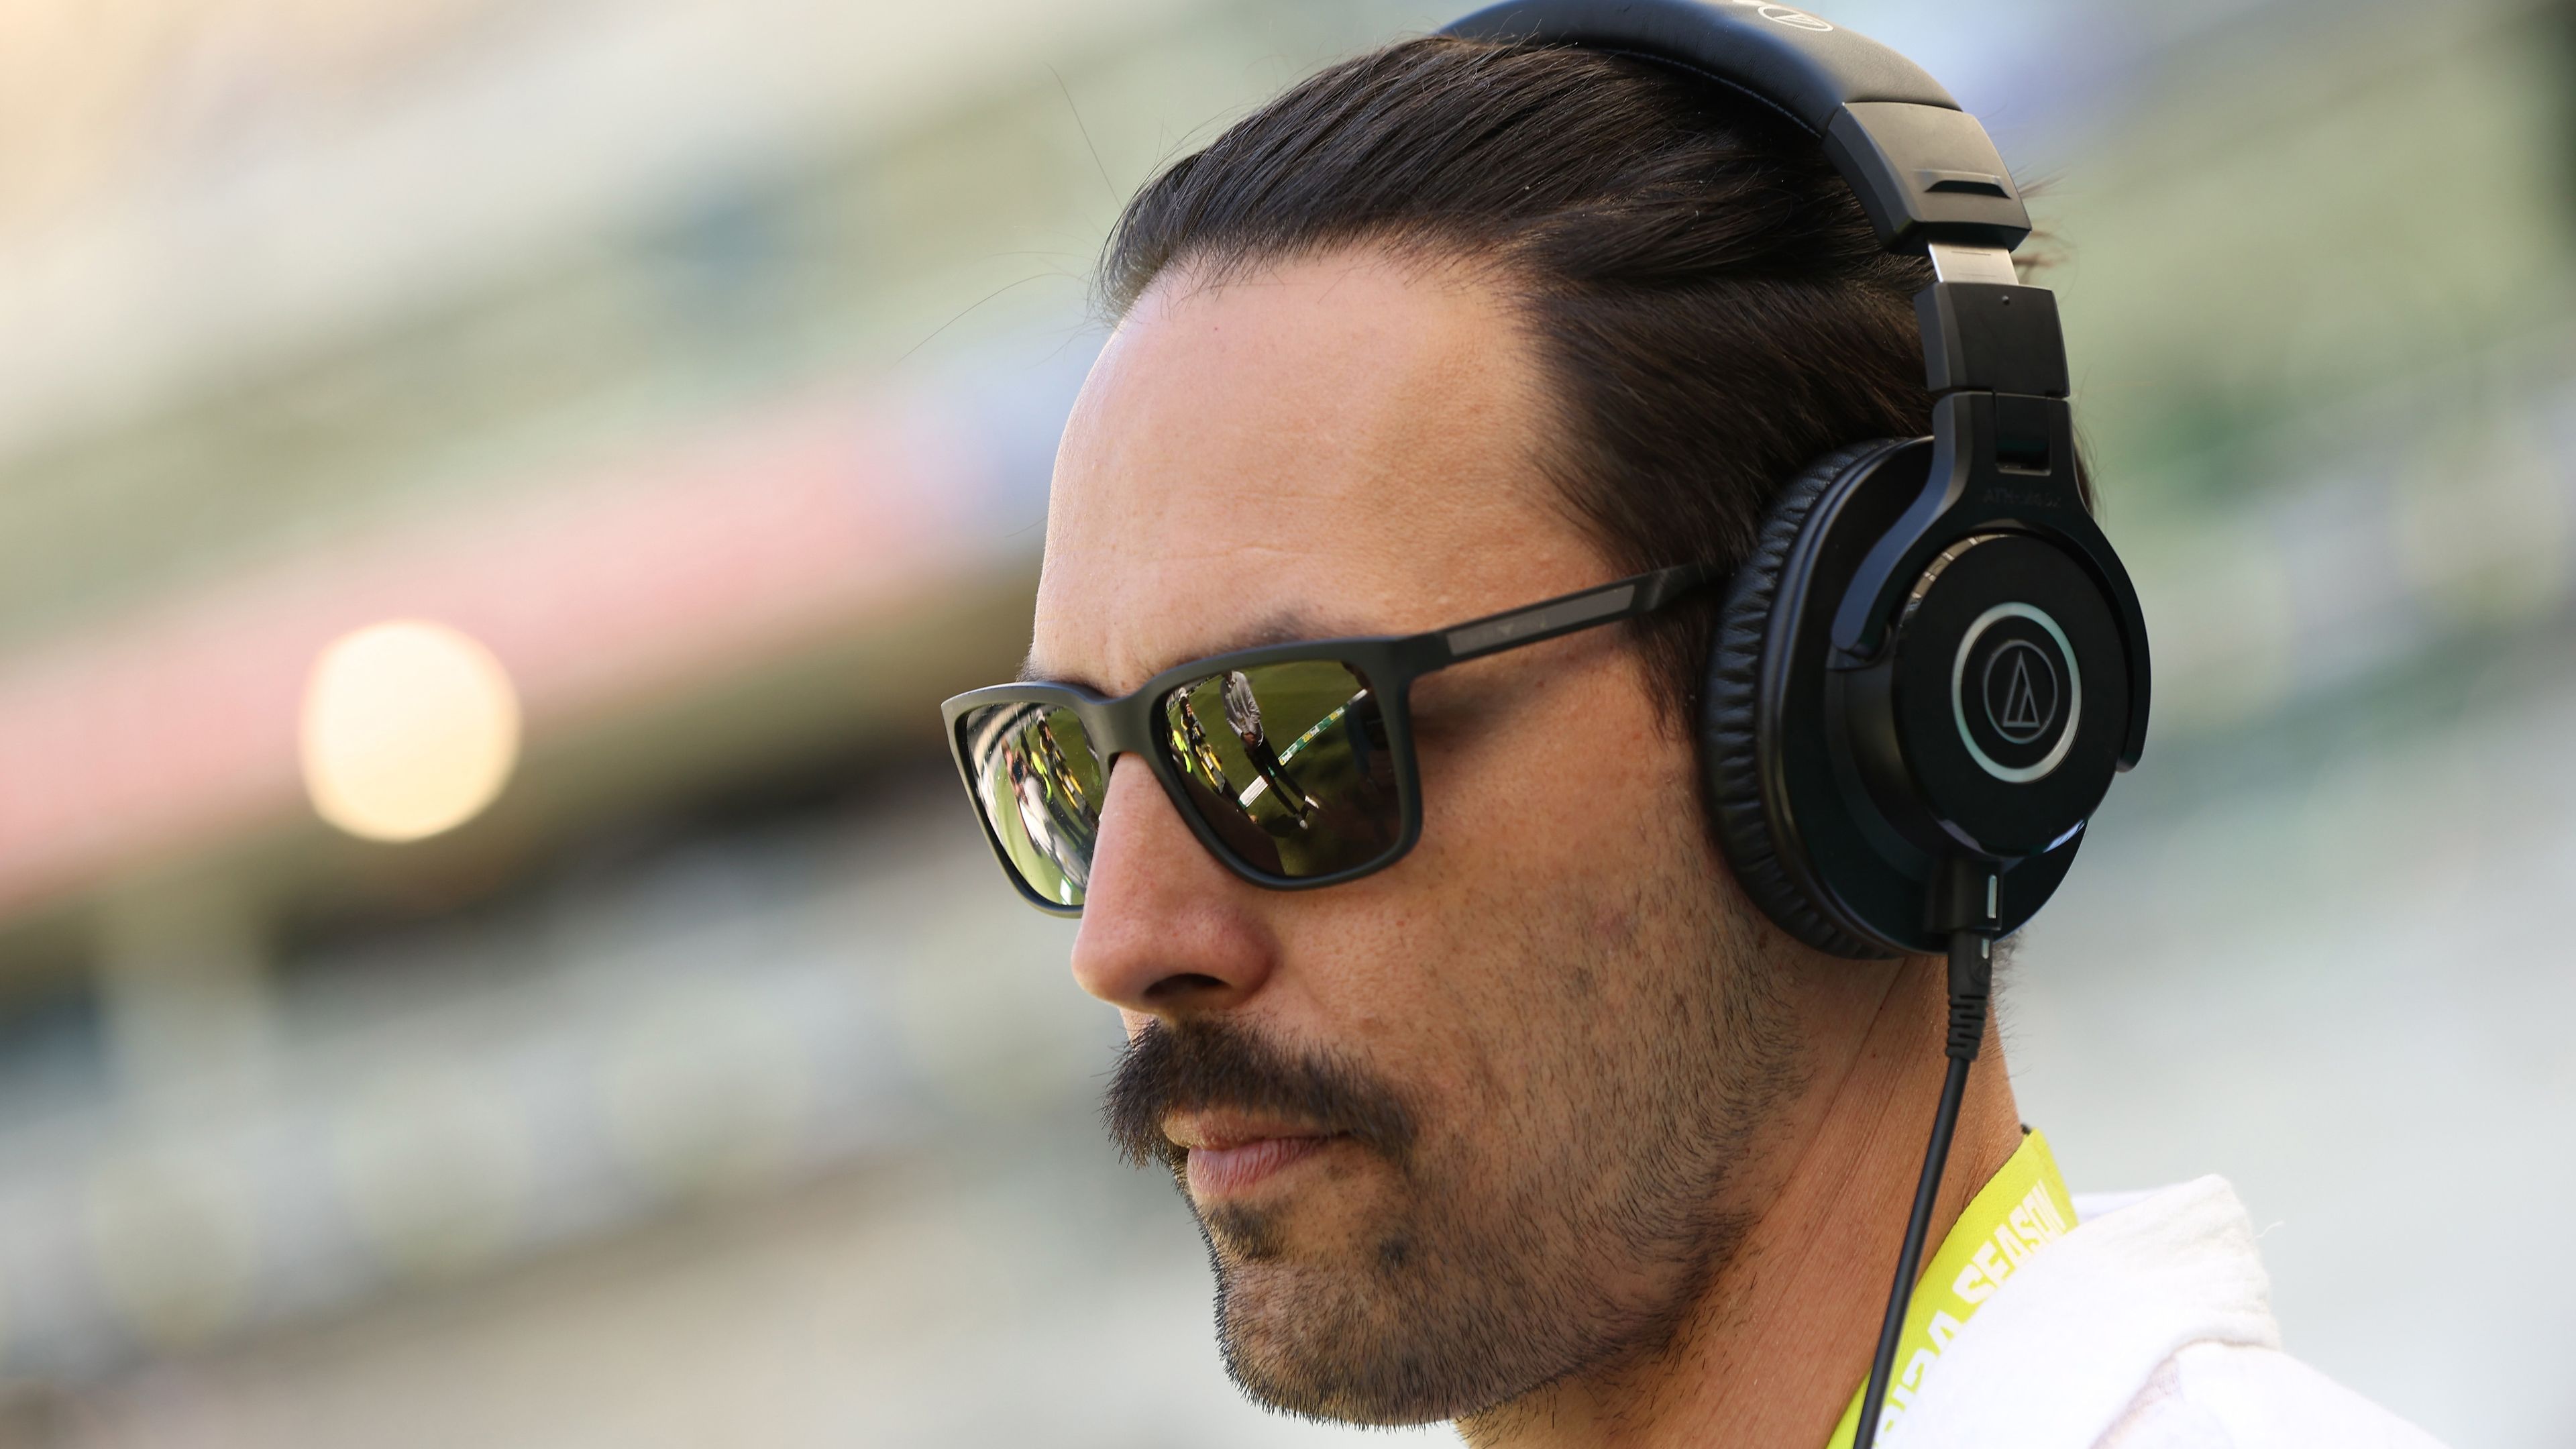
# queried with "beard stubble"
point(1570, 1226)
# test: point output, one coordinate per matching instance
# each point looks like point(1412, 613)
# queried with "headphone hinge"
point(2013, 456)
point(1982, 475)
point(1991, 337)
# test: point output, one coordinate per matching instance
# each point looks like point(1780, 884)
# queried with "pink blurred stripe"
point(174, 726)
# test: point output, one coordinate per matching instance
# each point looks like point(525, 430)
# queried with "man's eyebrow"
point(1284, 627)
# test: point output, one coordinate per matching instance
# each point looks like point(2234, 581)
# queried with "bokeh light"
point(410, 728)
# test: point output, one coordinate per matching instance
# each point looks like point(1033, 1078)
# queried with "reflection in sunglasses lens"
point(1038, 784)
point(1288, 765)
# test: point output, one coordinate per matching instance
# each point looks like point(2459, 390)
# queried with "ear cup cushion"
point(1730, 709)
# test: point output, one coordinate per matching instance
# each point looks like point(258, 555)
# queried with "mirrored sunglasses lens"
point(1038, 784)
point(1288, 764)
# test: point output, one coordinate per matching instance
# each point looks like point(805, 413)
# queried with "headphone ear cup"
point(1730, 707)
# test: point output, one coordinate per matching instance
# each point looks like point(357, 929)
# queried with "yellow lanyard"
point(2022, 1209)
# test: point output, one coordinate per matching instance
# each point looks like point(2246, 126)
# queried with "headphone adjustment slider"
point(1961, 262)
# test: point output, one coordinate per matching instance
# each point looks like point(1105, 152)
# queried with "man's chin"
point(1318, 1306)
point(1303, 1339)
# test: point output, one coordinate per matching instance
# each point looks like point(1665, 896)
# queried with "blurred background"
point(491, 492)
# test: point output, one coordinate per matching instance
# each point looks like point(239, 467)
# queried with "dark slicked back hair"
point(1706, 296)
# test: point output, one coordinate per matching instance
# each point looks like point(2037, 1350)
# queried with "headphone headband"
point(1924, 169)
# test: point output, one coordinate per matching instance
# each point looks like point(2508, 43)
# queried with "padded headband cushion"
point(1730, 712)
point(1803, 66)
point(1924, 170)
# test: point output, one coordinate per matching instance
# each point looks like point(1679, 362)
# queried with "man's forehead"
point(1338, 446)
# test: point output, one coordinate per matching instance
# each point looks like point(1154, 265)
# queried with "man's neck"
point(1782, 1336)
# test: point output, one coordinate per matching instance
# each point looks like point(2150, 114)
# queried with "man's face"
point(1465, 1126)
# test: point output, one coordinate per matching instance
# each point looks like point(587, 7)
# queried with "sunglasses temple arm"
point(1670, 586)
point(1626, 599)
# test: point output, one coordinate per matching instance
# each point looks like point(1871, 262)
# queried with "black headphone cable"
point(1972, 964)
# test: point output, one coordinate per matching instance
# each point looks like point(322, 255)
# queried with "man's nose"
point(1166, 929)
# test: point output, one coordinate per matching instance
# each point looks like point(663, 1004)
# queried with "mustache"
point(1204, 1065)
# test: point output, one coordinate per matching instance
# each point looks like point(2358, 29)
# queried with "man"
point(1537, 1125)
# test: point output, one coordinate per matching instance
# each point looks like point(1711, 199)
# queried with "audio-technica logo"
point(2020, 691)
point(1784, 15)
point(2018, 665)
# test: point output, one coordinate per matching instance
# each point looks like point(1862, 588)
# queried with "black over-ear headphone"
point(1932, 664)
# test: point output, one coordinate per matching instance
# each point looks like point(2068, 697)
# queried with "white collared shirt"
point(2147, 1327)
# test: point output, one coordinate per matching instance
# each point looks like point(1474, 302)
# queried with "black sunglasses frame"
point(1387, 664)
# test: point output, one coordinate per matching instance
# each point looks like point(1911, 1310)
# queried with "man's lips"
point(1229, 1156)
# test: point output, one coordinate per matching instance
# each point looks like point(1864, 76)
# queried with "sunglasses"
point(1292, 763)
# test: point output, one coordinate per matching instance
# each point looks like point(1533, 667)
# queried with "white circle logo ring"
point(2072, 706)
